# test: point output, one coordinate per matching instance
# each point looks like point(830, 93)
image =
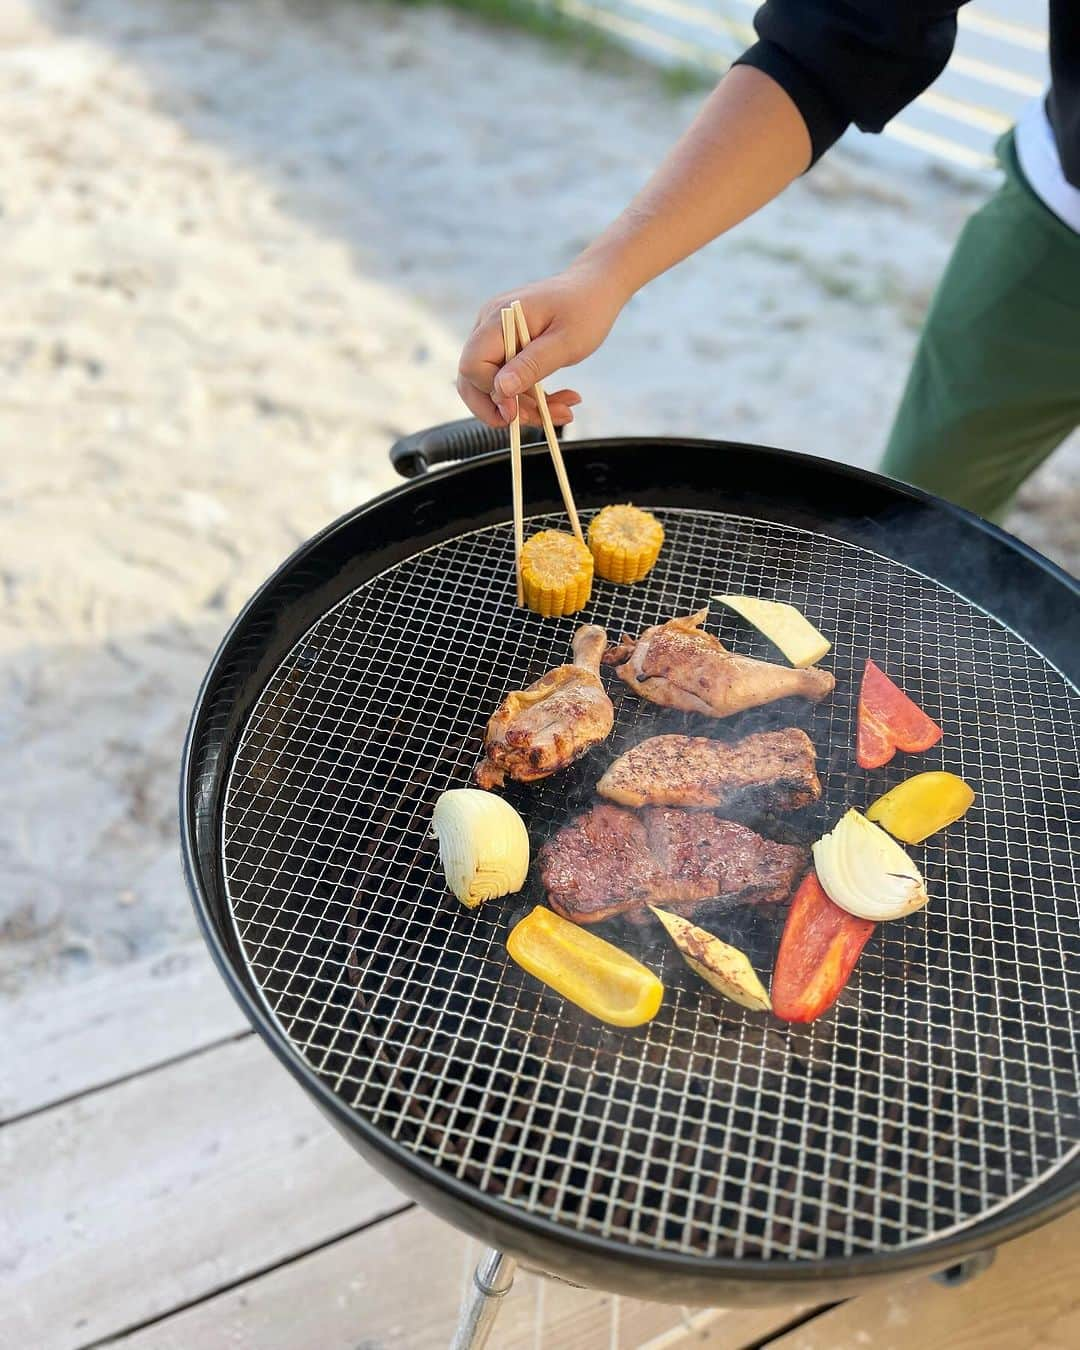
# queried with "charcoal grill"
point(716, 1156)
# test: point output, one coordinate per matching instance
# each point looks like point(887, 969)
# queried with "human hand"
point(569, 315)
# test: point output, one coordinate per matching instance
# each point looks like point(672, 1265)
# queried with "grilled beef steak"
point(679, 666)
point(539, 730)
point(772, 770)
point(612, 861)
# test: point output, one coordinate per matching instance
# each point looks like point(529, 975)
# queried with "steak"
point(770, 771)
point(612, 861)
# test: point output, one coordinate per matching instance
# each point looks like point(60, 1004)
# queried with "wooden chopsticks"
point(516, 332)
point(510, 344)
point(549, 429)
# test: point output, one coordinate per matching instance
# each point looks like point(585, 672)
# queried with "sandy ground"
point(241, 244)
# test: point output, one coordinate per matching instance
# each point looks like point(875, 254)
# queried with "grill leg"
point(953, 1276)
point(491, 1281)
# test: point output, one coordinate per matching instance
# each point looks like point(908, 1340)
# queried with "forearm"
point(745, 146)
point(818, 67)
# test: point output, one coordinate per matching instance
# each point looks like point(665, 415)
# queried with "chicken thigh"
point(539, 730)
point(678, 665)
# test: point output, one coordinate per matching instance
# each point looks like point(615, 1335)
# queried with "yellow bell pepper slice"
point(602, 980)
point(920, 806)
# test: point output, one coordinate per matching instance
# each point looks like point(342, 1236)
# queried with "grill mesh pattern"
point(941, 1086)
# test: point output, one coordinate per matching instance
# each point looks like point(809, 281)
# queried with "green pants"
point(995, 385)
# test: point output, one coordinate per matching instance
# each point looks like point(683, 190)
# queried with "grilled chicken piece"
point(770, 771)
point(611, 861)
point(678, 665)
point(539, 730)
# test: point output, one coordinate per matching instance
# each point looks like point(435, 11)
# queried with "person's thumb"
point(541, 358)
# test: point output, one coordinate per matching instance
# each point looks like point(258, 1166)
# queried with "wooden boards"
point(1029, 1297)
point(62, 1040)
point(205, 1201)
point(398, 1286)
point(125, 1204)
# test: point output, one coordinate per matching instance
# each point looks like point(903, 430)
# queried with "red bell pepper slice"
point(889, 721)
point(818, 951)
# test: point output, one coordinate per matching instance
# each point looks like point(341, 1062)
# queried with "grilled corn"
point(625, 542)
point(556, 573)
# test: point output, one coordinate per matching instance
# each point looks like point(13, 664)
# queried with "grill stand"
point(954, 1276)
point(491, 1281)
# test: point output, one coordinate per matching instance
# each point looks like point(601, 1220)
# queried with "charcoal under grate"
point(941, 1086)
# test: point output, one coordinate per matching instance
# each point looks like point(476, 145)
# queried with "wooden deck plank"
point(162, 1189)
point(72, 1038)
point(158, 1191)
point(398, 1285)
point(1030, 1296)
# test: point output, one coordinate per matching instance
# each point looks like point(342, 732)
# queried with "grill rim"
point(205, 748)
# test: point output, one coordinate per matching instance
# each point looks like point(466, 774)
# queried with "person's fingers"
point(563, 400)
point(560, 405)
point(499, 414)
point(479, 404)
point(541, 358)
point(524, 409)
point(560, 417)
point(482, 355)
point(529, 412)
point(488, 385)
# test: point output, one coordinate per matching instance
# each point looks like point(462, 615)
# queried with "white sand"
point(241, 244)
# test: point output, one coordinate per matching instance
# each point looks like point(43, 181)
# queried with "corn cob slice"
point(625, 542)
point(556, 573)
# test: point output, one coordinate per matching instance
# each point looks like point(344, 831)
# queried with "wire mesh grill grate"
point(941, 1086)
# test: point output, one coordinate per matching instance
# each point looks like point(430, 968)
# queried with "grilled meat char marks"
point(678, 665)
point(770, 771)
point(611, 861)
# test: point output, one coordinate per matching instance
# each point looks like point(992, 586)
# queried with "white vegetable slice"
point(866, 872)
point(783, 625)
point(724, 967)
point(483, 845)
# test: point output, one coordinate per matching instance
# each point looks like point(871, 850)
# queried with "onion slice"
point(865, 872)
point(483, 845)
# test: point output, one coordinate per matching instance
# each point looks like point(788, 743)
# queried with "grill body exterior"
point(301, 804)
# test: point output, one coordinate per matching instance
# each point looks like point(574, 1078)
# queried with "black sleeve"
point(844, 61)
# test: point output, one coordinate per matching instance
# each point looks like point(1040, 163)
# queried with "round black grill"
point(941, 1087)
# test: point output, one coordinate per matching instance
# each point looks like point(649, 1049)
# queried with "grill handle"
point(416, 454)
